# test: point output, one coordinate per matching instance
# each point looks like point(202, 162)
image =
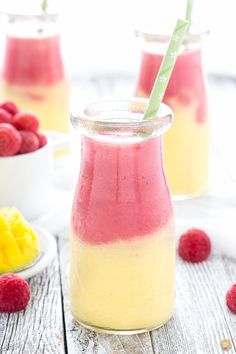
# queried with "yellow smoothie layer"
point(186, 149)
point(50, 103)
point(18, 242)
point(125, 285)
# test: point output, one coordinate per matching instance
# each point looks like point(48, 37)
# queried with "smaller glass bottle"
point(32, 73)
point(186, 145)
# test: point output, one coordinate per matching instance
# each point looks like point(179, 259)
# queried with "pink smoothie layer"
point(186, 83)
point(122, 191)
point(32, 61)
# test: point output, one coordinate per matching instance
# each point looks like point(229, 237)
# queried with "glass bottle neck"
point(154, 38)
point(122, 121)
point(32, 26)
point(160, 47)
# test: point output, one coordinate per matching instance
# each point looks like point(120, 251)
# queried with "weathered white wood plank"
point(201, 320)
point(224, 273)
point(38, 329)
point(80, 340)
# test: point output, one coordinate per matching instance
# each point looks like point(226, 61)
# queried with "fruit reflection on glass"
point(32, 73)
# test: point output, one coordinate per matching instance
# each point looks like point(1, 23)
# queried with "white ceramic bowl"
point(25, 182)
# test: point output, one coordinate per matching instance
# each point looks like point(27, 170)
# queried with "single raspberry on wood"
point(14, 293)
point(26, 121)
point(194, 246)
point(231, 299)
point(9, 107)
point(10, 140)
point(30, 142)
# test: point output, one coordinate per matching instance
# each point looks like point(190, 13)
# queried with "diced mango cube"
point(3, 224)
point(19, 244)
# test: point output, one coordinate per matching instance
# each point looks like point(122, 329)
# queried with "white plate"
point(48, 251)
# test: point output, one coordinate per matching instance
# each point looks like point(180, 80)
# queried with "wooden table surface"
point(201, 319)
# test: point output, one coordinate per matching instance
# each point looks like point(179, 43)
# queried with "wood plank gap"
point(13, 330)
point(5, 332)
point(121, 343)
point(149, 336)
point(62, 299)
point(152, 342)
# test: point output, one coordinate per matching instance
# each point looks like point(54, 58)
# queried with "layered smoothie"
point(33, 72)
point(122, 240)
point(187, 143)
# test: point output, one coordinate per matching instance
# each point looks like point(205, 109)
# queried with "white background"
point(98, 35)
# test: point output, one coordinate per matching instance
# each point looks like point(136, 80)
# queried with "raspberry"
point(231, 298)
point(42, 139)
point(14, 293)
point(26, 121)
point(10, 140)
point(5, 117)
point(30, 142)
point(194, 246)
point(10, 107)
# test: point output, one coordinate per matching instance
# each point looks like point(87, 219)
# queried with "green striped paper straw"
point(44, 5)
point(189, 10)
point(166, 69)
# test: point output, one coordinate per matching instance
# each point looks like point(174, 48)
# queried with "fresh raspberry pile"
point(19, 131)
point(231, 299)
point(194, 246)
point(30, 142)
point(5, 117)
point(10, 140)
point(9, 107)
point(14, 293)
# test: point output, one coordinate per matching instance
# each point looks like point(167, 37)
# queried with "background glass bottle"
point(186, 145)
point(32, 72)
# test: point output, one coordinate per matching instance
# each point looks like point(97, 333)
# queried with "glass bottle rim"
point(161, 32)
point(41, 24)
point(122, 118)
point(27, 15)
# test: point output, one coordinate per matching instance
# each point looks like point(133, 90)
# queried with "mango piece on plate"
point(19, 246)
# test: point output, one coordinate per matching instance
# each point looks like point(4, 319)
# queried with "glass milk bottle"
point(122, 268)
point(186, 145)
point(32, 70)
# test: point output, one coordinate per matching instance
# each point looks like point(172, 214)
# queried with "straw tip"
point(182, 25)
